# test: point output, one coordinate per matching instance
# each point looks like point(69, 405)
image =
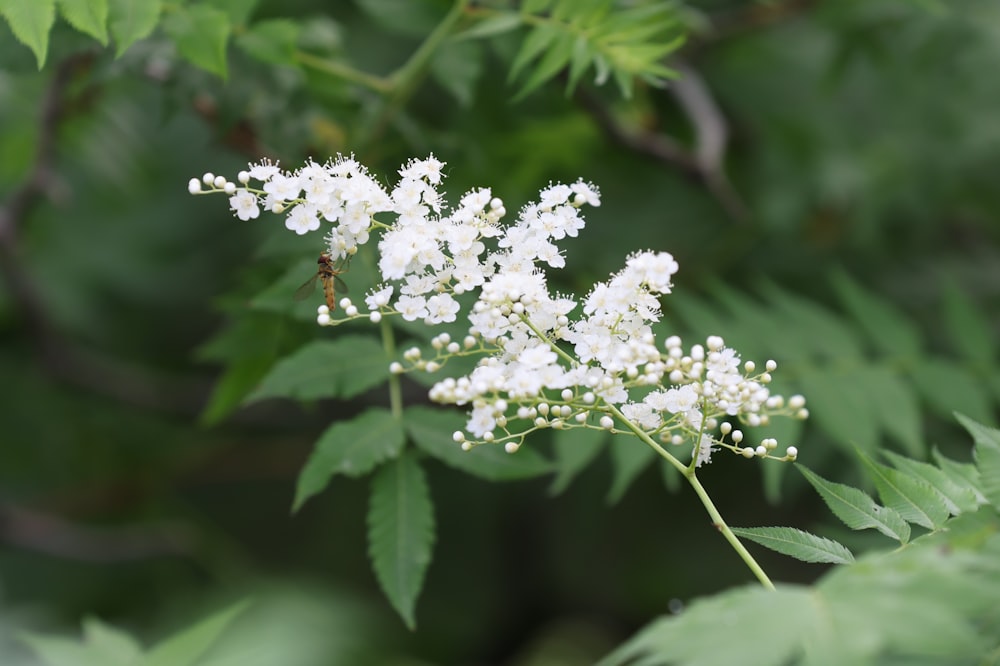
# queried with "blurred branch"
point(704, 162)
point(43, 533)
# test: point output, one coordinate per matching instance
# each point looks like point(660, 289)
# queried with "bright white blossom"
point(546, 360)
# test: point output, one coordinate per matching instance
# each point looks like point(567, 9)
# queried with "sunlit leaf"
point(31, 23)
point(87, 16)
point(131, 20)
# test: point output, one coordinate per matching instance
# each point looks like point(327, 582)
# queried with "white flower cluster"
point(539, 368)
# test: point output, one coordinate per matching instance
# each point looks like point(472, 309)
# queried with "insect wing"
point(307, 288)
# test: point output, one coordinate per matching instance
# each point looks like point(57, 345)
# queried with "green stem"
point(404, 81)
point(395, 385)
point(342, 71)
point(706, 501)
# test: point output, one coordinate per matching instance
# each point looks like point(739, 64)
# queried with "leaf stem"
point(706, 501)
point(395, 384)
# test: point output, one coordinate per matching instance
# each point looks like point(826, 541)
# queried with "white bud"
point(208, 178)
point(375, 317)
point(458, 436)
point(771, 366)
point(792, 452)
point(748, 452)
point(194, 186)
point(607, 422)
point(243, 177)
point(396, 368)
point(219, 182)
point(737, 436)
point(511, 447)
point(761, 451)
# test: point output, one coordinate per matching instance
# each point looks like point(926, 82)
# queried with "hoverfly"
point(328, 272)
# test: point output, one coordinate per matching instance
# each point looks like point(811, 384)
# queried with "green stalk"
point(395, 385)
point(706, 501)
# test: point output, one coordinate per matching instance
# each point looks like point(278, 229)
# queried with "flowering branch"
point(539, 367)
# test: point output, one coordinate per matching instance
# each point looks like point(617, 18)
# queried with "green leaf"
point(555, 58)
point(456, 67)
point(841, 403)
point(340, 368)
point(830, 338)
point(987, 455)
point(351, 448)
point(535, 43)
point(494, 25)
point(628, 458)
point(896, 405)
point(971, 333)
point(574, 449)
point(958, 497)
point(401, 532)
point(913, 498)
point(796, 543)
point(431, 430)
point(237, 11)
point(187, 647)
point(856, 509)
point(201, 33)
point(31, 21)
point(102, 645)
point(273, 41)
point(947, 387)
point(87, 16)
point(962, 474)
point(131, 20)
point(885, 326)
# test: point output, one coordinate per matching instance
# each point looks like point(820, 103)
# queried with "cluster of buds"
point(545, 360)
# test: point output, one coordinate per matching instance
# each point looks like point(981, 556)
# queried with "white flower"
point(244, 204)
point(302, 219)
point(704, 451)
point(412, 308)
point(441, 308)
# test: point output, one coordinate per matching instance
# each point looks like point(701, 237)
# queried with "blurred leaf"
point(272, 41)
point(574, 450)
point(895, 404)
point(962, 474)
point(87, 16)
point(948, 387)
point(828, 334)
point(888, 329)
point(842, 404)
point(31, 23)
point(958, 497)
point(237, 11)
point(629, 457)
point(884, 605)
point(856, 509)
point(456, 67)
point(185, 648)
point(497, 24)
point(407, 17)
point(796, 543)
point(971, 333)
point(102, 645)
point(340, 368)
point(912, 498)
point(987, 455)
point(201, 33)
point(432, 429)
point(401, 532)
point(351, 447)
point(131, 20)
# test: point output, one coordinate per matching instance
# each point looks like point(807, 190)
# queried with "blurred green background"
point(812, 150)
